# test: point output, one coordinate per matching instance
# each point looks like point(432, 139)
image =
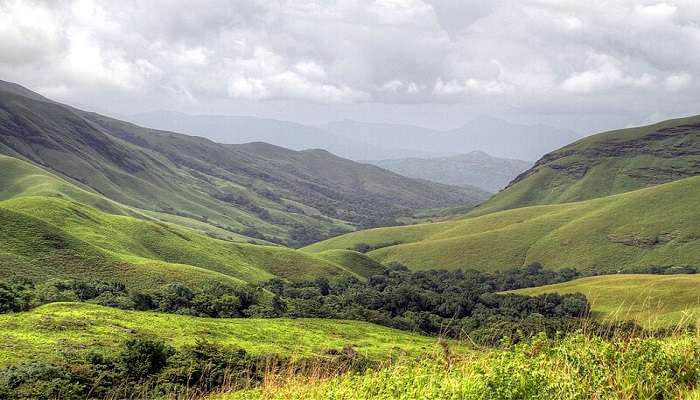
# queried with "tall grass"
point(579, 366)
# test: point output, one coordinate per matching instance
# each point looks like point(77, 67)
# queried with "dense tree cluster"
point(663, 269)
point(214, 299)
point(452, 303)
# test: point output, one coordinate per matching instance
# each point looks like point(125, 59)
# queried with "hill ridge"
point(607, 163)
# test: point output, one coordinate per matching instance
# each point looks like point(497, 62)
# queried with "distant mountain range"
point(371, 141)
point(494, 136)
point(231, 129)
point(473, 169)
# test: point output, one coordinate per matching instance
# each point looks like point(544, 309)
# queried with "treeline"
point(147, 367)
point(214, 299)
point(437, 302)
point(449, 303)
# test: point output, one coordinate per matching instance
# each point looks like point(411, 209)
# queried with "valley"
point(256, 271)
point(349, 200)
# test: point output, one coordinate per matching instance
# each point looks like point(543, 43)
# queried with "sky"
point(584, 65)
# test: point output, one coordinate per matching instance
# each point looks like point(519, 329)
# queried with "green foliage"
point(440, 302)
point(142, 357)
point(214, 299)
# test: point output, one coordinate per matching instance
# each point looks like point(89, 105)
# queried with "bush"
point(38, 380)
point(142, 357)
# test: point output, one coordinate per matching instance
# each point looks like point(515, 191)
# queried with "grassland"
point(605, 164)
point(576, 367)
point(651, 300)
point(48, 332)
point(659, 225)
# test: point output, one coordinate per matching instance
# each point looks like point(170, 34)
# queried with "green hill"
point(50, 331)
point(651, 300)
point(659, 225)
point(605, 164)
point(256, 190)
point(52, 228)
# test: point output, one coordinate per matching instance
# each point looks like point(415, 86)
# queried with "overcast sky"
point(583, 64)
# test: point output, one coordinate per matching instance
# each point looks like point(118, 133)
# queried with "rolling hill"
point(51, 228)
point(659, 225)
point(76, 327)
point(256, 190)
point(605, 164)
point(651, 300)
point(468, 170)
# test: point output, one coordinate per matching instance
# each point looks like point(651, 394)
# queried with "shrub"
point(38, 380)
point(141, 357)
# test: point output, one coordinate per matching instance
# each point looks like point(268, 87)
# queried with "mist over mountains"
point(229, 129)
point(472, 169)
point(371, 141)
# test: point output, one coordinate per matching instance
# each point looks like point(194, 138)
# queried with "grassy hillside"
point(659, 225)
point(48, 332)
point(605, 164)
point(50, 237)
point(257, 189)
point(53, 228)
point(651, 300)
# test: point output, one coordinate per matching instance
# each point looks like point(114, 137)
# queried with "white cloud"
point(470, 86)
point(605, 73)
point(29, 32)
point(543, 54)
point(678, 82)
point(657, 12)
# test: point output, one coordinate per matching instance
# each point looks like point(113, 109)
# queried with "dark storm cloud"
point(540, 55)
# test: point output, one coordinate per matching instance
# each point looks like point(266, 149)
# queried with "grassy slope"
point(90, 243)
point(651, 300)
point(48, 331)
point(605, 164)
point(653, 226)
point(356, 262)
point(49, 230)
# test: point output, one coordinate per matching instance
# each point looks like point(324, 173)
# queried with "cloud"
point(470, 86)
point(605, 74)
point(678, 82)
point(529, 54)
